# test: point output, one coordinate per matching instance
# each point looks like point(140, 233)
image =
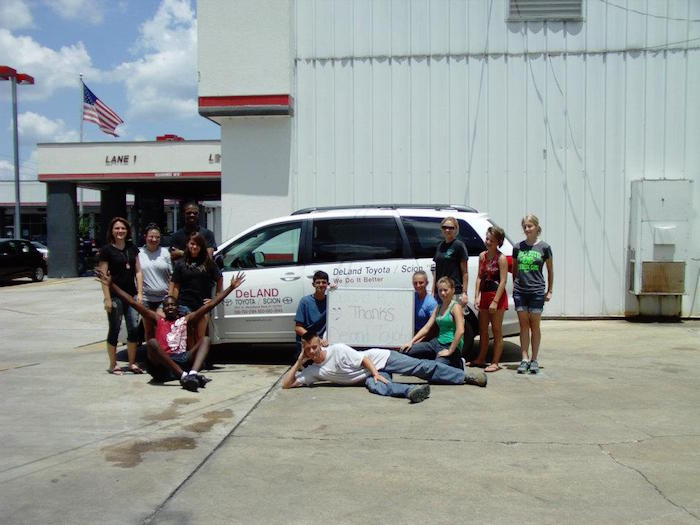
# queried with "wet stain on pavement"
point(172, 411)
point(130, 454)
point(210, 419)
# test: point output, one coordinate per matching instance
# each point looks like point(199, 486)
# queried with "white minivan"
point(371, 246)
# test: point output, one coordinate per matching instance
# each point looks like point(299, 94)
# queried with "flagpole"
point(80, 193)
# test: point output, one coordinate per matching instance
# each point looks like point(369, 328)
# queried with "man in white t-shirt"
point(343, 365)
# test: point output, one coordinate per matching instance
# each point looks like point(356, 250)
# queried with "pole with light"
point(7, 73)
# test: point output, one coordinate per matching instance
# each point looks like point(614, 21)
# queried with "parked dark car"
point(18, 258)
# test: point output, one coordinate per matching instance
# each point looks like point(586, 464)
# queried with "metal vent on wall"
point(524, 10)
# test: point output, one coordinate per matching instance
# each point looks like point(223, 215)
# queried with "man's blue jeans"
point(398, 363)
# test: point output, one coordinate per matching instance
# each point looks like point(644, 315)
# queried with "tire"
point(469, 333)
point(38, 274)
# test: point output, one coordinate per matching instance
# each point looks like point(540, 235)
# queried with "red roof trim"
point(245, 100)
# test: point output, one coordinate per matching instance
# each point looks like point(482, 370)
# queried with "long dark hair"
point(203, 257)
point(110, 235)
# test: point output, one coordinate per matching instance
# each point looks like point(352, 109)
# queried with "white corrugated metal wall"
point(445, 101)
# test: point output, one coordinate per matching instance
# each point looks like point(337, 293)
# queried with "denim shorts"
point(528, 302)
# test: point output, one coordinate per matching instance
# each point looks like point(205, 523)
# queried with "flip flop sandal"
point(492, 368)
point(117, 371)
point(134, 369)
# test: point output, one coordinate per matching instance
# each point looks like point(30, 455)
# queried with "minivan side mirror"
point(259, 258)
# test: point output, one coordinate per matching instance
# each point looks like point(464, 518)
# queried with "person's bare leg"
point(536, 334)
point(524, 320)
point(112, 355)
point(483, 338)
point(199, 353)
point(497, 327)
point(159, 357)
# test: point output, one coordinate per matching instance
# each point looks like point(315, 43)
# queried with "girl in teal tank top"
point(449, 318)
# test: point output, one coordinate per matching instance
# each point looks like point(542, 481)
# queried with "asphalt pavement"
point(608, 432)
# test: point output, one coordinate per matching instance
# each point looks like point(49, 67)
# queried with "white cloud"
point(27, 168)
point(34, 128)
point(51, 69)
point(89, 10)
point(164, 81)
point(15, 14)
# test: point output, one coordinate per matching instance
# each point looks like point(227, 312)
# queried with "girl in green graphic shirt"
point(529, 292)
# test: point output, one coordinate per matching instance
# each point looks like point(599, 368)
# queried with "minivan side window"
point(424, 236)
point(269, 246)
point(361, 239)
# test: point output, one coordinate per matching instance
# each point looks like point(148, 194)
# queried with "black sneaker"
point(418, 393)
point(203, 380)
point(190, 382)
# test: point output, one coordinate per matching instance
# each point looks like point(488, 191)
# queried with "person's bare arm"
point(290, 378)
point(236, 281)
point(102, 266)
point(464, 297)
point(368, 365)
point(503, 272)
point(139, 280)
point(550, 279)
point(106, 280)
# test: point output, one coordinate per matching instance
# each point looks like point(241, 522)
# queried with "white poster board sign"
point(370, 317)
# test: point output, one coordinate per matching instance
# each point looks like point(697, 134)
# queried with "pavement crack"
point(651, 483)
point(204, 461)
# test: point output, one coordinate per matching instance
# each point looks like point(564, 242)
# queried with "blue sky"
point(138, 56)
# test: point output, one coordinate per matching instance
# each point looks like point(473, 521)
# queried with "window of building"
point(541, 10)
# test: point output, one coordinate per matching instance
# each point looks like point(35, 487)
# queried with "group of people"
point(437, 359)
point(171, 288)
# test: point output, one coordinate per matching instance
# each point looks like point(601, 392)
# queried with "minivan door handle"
point(291, 278)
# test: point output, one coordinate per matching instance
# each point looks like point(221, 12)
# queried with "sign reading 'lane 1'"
point(367, 317)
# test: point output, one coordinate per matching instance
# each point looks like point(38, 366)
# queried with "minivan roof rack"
point(455, 207)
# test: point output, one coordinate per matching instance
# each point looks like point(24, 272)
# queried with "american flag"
point(94, 110)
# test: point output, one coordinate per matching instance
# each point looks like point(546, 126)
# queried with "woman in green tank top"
point(449, 319)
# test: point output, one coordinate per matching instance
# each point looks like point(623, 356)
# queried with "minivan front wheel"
point(38, 274)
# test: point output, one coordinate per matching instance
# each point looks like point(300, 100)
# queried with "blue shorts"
point(528, 302)
point(161, 374)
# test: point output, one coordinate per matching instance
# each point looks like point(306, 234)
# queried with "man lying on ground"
point(167, 351)
point(343, 365)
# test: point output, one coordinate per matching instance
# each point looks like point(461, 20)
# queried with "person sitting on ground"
point(311, 312)
point(343, 365)
point(449, 318)
point(424, 303)
point(167, 351)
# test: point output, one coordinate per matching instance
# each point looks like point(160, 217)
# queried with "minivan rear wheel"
point(38, 274)
point(468, 344)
